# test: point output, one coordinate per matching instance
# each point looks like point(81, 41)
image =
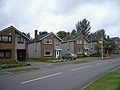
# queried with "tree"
point(83, 27)
point(61, 34)
point(28, 35)
point(43, 33)
point(97, 48)
point(109, 46)
point(74, 32)
point(96, 36)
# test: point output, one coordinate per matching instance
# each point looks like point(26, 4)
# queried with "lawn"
point(110, 81)
point(23, 70)
point(76, 62)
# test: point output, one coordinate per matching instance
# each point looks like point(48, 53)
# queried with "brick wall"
point(8, 46)
point(48, 46)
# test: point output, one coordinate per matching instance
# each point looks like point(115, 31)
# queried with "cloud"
point(55, 15)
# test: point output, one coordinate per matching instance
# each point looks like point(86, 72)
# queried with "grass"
point(110, 81)
point(23, 70)
point(76, 62)
point(13, 64)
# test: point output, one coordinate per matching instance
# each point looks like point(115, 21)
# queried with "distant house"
point(45, 46)
point(78, 45)
point(116, 40)
point(13, 45)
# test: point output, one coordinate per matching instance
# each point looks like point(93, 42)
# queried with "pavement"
point(59, 77)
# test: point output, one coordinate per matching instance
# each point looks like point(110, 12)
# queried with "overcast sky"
point(56, 15)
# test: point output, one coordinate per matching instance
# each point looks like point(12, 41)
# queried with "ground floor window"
point(47, 52)
point(5, 54)
point(79, 51)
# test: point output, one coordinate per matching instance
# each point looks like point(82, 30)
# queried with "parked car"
point(70, 56)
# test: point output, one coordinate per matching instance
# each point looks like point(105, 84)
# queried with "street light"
point(102, 47)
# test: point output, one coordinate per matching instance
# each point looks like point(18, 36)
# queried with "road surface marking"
point(101, 63)
point(80, 68)
point(41, 78)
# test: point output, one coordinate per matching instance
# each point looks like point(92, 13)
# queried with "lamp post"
point(102, 47)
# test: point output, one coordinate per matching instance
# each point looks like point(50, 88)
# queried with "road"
point(63, 77)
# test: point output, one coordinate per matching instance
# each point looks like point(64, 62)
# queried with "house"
point(116, 40)
point(13, 45)
point(92, 46)
point(78, 45)
point(45, 46)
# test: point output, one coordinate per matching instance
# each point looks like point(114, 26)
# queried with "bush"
point(83, 56)
point(13, 64)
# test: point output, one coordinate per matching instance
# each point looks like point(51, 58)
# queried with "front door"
point(57, 53)
point(21, 55)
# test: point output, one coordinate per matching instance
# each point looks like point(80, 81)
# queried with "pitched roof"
point(11, 27)
point(41, 37)
point(72, 38)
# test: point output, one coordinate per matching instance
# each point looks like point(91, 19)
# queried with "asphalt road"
point(64, 77)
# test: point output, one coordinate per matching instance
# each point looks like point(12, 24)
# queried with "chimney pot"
point(36, 33)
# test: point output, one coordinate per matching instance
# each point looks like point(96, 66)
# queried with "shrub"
point(13, 64)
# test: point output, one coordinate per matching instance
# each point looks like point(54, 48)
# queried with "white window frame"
point(78, 41)
point(57, 42)
point(79, 51)
point(48, 40)
point(85, 42)
point(47, 51)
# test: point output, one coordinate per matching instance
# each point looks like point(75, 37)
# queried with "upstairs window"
point(5, 54)
point(78, 41)
point(6, 39)
point(85, 42)
point(20, 40)
point(47, 41)
point(57, 42)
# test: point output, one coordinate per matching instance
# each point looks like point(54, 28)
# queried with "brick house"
point(13, 45)
point(45, 46)
point(78, 45)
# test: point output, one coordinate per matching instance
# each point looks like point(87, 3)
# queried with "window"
point(85, 42)
point(79, 41)
point(57, 42)
point(47, 52)
point(47, 41)
point(79, 51)
point(20, 40)
point(5, 38)
point(5, 54)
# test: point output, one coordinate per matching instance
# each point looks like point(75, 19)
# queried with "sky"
point(60, 15)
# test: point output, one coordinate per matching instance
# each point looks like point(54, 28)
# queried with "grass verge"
point(110, 81)
point(23, 70)
point(76, 62)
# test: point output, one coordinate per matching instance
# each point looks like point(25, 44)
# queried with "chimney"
point(108, 37)
point(36, 33)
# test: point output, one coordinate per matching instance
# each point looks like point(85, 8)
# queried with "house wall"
point(34, 50)
point(8, 46)
point(48, 47)
point(57, 46)
point(67, 47)
point(79, 46)
point(20, 45)
point(91, 47)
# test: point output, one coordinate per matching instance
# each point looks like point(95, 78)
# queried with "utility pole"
point(102, 47)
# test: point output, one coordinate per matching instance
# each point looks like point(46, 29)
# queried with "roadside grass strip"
point(78, 62)
point(110, 81)
point(23, 70)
